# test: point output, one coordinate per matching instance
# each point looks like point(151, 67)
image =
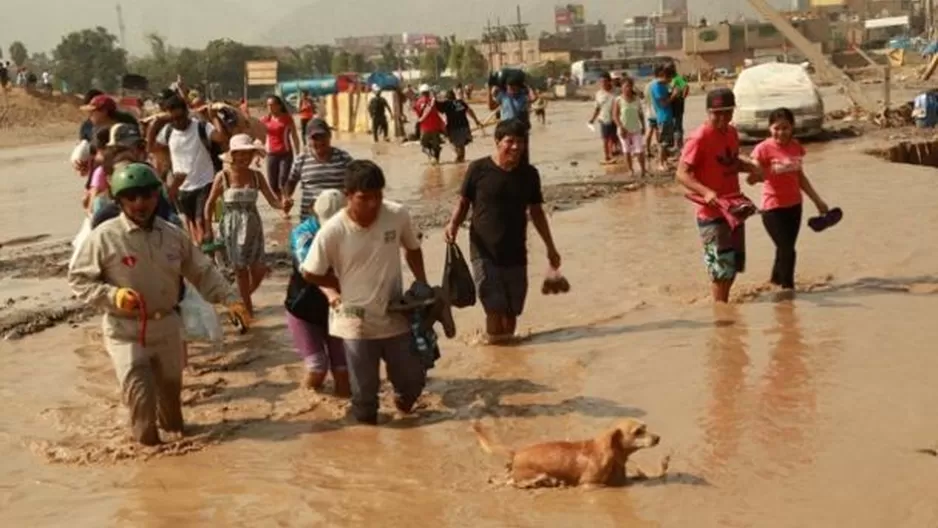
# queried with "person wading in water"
point(132, 267)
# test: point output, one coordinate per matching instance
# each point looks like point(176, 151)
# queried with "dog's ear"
point(615, 438)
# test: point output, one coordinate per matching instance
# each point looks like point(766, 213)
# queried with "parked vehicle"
point(765, 87)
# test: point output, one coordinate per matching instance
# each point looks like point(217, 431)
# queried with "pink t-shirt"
point(714, 157)
point(99, 179)
point(781, 165)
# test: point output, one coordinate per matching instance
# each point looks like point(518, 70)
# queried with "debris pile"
point(897, 117)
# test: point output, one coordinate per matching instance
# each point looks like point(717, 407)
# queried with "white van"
point(763, 88)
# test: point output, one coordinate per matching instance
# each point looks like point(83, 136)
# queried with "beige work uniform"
point(120, 254)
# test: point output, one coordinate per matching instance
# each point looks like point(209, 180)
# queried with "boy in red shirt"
point(431, 123)
point(710, 167)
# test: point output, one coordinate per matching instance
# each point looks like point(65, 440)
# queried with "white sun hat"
point(241, 142)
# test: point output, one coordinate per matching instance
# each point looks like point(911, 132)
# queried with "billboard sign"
point(569, 15)
point(261, 73)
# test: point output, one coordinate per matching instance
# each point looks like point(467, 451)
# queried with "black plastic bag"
point(457, 279)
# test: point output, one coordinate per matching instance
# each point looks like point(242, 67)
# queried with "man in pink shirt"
point(709, 168)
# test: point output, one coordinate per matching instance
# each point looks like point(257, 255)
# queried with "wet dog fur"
point(590, 463)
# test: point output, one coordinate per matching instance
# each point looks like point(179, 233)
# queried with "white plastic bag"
point(200, 321)
point(81, 153)
point(79, 240)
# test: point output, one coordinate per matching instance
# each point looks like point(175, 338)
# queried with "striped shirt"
point(316, 176)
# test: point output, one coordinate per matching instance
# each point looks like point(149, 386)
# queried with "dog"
point(589, 463)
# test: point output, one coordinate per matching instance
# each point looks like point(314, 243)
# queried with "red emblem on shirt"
point(129, 261)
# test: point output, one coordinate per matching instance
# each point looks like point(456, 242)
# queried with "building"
point(637, 37)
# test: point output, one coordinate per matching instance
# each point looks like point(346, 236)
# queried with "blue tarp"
point(316, 87)
point(385, 80)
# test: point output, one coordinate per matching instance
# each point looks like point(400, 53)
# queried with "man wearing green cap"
point(131, 266)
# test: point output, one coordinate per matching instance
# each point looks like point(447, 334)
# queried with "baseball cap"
point(318, 127)
point(721, 99)
point(100, 102)
point(124, 135)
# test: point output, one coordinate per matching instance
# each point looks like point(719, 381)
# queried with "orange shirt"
point(307, 109)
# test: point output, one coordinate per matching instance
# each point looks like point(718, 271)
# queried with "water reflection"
point(786, 413)
point(727, 360)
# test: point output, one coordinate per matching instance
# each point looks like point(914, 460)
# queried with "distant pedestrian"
point(280, 153)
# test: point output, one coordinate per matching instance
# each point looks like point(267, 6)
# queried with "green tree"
point(224, 61)
point(303, 61)
point(472, 65)
point(430, 64)
point(454, 59)
point(90, 58)
point(389, 58)
point(358, 63)
point(18, 53)
point(341, 62)
point(40, 62)
point(322, 59)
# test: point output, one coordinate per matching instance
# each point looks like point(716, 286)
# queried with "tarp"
point(316, 87)
point(774, 84)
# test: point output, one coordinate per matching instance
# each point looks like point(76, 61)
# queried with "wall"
point(510, 53)
point(730, 59)
point(707, 39)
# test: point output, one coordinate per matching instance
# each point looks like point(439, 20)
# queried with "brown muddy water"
point(804, 412)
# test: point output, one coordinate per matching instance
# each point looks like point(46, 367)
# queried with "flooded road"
point(777, 413)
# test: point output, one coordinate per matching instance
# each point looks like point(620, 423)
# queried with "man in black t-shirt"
point(502, 191)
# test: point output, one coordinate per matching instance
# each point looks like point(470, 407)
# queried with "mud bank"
point(911, 151)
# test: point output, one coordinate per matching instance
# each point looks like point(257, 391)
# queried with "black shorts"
point(191, 204)
point(609, 130)
point(502, 289)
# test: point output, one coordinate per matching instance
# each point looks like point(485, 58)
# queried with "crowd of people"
point(156, 188)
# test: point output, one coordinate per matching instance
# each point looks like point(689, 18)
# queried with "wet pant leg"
point(150, 376)
point(405, 371)
point(783, 225)
point(364, 359)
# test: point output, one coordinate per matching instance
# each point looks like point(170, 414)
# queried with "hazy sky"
point(40, 24)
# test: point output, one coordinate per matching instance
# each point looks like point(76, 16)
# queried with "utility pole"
point(120, 27)
point(519, 29)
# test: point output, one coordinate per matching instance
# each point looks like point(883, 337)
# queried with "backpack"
point(213, 149)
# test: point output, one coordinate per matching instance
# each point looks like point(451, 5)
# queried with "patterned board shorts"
point(724, 249)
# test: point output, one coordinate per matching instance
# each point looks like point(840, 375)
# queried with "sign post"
point(259, 73)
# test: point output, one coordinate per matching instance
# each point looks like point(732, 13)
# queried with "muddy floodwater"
point(816, 411)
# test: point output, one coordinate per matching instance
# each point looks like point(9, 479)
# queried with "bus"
point(587, 71)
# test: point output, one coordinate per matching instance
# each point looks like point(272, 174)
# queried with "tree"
point(473, 65)
point(340, 62)
point(223, 63)
point(322, 59)
point(430, 64)
point(455, 57)
point(358, 63)
point(389, 58)
point(41, 62)
point(90, 58)
point(18, 53)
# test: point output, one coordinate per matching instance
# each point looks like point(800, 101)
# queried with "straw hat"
point(242, 142)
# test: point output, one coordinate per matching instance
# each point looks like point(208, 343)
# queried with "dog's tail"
point(489, 445)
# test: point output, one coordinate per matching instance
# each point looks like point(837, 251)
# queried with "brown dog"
point(597, 462)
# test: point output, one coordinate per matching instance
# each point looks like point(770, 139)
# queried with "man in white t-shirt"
point(356, 258)
point(603, 112)
point(189, 143)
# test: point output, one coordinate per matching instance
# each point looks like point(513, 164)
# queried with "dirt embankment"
point(36, 117)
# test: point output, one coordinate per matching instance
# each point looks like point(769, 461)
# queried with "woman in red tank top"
point(280, 130)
